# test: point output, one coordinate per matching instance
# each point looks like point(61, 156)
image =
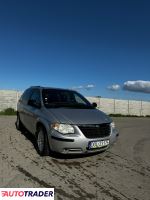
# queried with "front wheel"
point(42, 142)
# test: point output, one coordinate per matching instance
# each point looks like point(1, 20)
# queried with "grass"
point(8, 111)
point(120, 115)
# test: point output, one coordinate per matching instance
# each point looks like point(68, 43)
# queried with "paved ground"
point(121, 173)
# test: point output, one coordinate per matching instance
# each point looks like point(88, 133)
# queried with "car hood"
point(79, 116)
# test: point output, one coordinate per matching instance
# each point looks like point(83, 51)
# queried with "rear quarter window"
point(26, 95)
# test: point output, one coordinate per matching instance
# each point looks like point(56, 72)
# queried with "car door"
point(33, 110)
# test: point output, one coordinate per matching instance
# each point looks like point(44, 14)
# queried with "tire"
point(19, 124)
point(42, 142)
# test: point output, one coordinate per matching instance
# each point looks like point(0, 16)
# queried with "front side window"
point(56, 98)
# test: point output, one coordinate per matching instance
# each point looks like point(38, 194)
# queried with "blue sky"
point(71, 43)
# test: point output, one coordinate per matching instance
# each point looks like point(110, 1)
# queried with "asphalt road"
point(120, 173)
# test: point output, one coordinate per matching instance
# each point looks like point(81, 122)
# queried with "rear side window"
point(26, 95)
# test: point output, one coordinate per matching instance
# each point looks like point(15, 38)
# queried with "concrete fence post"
point(141, 108)
point(114, 106)
point(128, 107)
point(17, 96)
point(99, 102)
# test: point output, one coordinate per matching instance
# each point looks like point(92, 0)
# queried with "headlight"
point(112, 125)
point(63, 128)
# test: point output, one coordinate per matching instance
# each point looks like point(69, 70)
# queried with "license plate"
point(98, 144)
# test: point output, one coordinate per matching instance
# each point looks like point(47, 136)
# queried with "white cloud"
point(137, 86)
point(90, 86)
point(87, 87)
point(77, 87)
point(114, 87)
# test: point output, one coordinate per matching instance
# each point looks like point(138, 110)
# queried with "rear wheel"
point(19, 124)
point(42, 142)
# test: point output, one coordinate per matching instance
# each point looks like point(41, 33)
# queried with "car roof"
point(42, 87)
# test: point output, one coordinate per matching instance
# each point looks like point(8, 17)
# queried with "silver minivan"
point(63, 121)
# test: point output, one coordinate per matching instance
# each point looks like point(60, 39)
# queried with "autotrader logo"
point(27, 193)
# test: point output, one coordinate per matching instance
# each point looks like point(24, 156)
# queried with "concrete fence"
point(9, 98)
point(125, 107)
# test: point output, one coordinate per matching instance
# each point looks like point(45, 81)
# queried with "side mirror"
point(94, 105)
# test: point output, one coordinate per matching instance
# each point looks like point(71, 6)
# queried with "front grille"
point(96, 130)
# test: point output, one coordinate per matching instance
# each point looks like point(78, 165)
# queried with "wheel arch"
point(41, 124)
point(44, 126)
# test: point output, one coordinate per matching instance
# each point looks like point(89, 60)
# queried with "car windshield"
point(57, 98)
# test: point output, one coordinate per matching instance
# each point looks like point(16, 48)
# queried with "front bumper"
point(78, 143)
